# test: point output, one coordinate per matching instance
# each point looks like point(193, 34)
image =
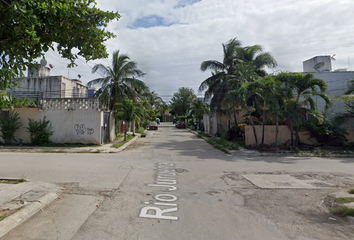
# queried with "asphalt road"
point(173, 185)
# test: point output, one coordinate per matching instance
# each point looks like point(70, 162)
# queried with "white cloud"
point(292, 31)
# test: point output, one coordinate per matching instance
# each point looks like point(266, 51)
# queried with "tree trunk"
point(297, 136)
point(254, 131)
point(291, 133)
point(276, 130)
point(235, 117)
point(133, 127)
point(125, 131)
point(263, 128)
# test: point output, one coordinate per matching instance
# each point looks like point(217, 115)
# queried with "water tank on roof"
point(318, 64)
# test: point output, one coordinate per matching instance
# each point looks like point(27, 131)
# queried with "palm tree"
point(216, 85)
point(198, 109)
point(129, 112)
point(304, 88)
point(153, 99)
point(255, 56)
point(245, 98)
point(119, 82)
point(240, 65)
point(348, 98)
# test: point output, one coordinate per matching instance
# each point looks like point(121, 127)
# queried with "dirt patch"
point(5, 213)
point(298, 212)
point(11, 181)
point(135, 145)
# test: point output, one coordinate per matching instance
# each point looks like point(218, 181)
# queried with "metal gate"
point(105, 129)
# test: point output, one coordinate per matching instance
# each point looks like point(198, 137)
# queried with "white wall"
point(78, 122)
point(49, 87)
point(337, 85)
point(309, 65)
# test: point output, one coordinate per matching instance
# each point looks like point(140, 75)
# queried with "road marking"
point(166, 178)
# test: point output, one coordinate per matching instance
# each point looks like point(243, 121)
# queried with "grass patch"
point(119, 136)
point(351, 191)
point(203, 134)
point(119, 144)
point(344, 200)
point(222, 144)
point(5, 213)
point(12, 181)
point(130, 137)
point(72, 145)
point(343, 211)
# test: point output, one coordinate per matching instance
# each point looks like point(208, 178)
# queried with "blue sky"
point(150, 21)
point(170, 38)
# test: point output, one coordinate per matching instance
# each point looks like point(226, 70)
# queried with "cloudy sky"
point(170, 38)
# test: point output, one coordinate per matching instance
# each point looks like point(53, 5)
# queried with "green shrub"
point(140, 130)
point(327, 133)
point(40, 131)
point(9, 125)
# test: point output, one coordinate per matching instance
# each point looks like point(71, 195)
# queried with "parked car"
point(180, 125)
point(153, 126)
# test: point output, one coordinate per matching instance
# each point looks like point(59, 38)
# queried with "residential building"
point(337, 80)
point(75, 118)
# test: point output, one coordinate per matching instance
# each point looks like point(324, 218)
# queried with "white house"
point(337, 80)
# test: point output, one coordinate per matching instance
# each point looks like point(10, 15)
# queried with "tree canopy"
point(181, 101)
point(29, 28)
point(119, 82)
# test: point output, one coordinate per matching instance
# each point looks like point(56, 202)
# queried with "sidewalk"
point(25, 200)
point(105, 148)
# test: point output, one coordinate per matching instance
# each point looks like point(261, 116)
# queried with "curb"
point(127, 144)
point(16, 219)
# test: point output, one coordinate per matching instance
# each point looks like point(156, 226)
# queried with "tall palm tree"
point(119, 81)
point(216, 85)
point(240, 65)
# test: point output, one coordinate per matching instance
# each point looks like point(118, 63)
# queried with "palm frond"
point(265, 59)
point(101, 81)
point(212, 65)
point(210, 80)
